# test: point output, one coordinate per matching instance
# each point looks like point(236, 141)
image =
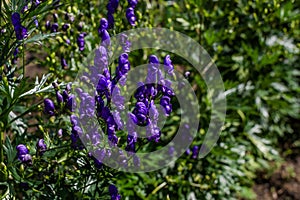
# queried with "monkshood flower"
point(113, 191)
point(103, 25)
point(41, 147)
point(111, 9)
point(105, 38)
point(123, 67)
point(65, 27)
point(131, 140)
point(21, 31)
point(54, 27)
point(23, 154)
point(125, 43)
point(195, 152)
point(169, 68)
point(80, 41)
point(75, 137)
point(132, 3)
point(49, 107)
point(154, 73)
point(48, 25)
point(131, 16)
point(101, 59)
point(63, 62)
point(36, 22)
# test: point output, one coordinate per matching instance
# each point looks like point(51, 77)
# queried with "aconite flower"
point(49, 107)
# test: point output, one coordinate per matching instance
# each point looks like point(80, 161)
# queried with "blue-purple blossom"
point(105, 38)
point(48, 25)
point(49, 107)
point(123, 67)
point(41, 147)
point(103, 25)
point(131, 140)
point(54, 27)
point(113, 191)
point(131, 16)
point(125, 43)
point(168, 65)
point(111, 9)
point(195, 152)
point(101, 59)
point(65, 27)
point(80, 42)
point(16, 19)
point(21, 31)
point(132, 3)
point(23, 154)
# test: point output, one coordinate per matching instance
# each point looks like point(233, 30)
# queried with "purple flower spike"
point(130, 16)
point(49, 107)
point(41, 147)
point(81, 42)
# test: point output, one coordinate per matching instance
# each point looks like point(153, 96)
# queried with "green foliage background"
point(255, 46)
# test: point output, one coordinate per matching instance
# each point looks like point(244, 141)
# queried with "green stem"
point(23, 60)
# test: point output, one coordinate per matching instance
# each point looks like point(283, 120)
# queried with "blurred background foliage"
point(255, 46)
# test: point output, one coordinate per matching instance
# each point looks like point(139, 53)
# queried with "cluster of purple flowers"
point(81, 41)
point(111, 9)
point(155, 88)
point(130, 12)
point(64, 101)
point(194, 153)
point(21, 31)
point(23, 154)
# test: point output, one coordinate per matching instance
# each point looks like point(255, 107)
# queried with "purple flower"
point(195, 151)
point(165, 102)
point(101, 60)
point(124, 65)
point(113, 191)
point(105, 37)
point(102, 85)
point(41, 146)
point(49, 107)
point(131, 140)
point(80, 42)
point(54, 27)
point(130, 16)
point(48, 25)
point(132, 3)
point(21, 150)
point(21, 32)
point(65, 27)
point(168, 65)
point(103, 25)
point(125, 43)
point(112, 6)
point(23, 154)
point(16, 19)
point(63, 62)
